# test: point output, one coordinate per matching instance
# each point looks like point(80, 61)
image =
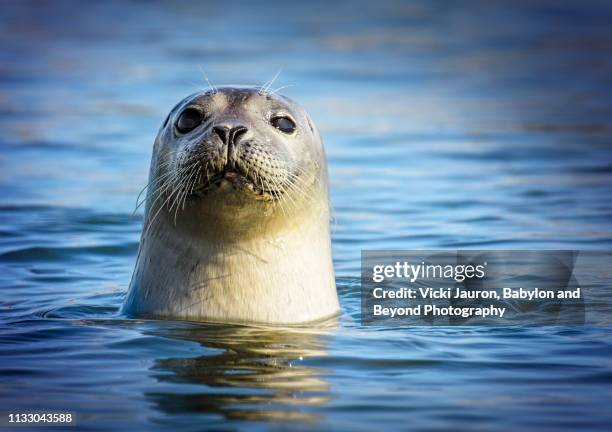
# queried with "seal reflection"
point(257, 375)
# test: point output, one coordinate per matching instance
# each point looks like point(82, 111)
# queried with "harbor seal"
point(236, 225)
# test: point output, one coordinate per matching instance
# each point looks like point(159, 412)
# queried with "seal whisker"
point(160, 209)
point(295, 178)
point(156, 180)
point(280, 88)
point(264, 89)
point(189, 186)
point(279, 201)
point(302, 188)
point(163, 187)
point(177, 199)
point(150, 183)
point(299, 187)
point(150, 224)
point(181, 195)
point(284, 195)
point(158, 193)
point(182, 186)
point(192, 185)
point(300, 180)
point(171, 184)
point(210, 84)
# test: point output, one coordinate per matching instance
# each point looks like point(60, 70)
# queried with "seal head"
point(236, 214)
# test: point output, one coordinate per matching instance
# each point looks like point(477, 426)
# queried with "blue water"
point(447, 125)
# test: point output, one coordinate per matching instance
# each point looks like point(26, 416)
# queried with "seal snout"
point(234, 154)
point(229, 134)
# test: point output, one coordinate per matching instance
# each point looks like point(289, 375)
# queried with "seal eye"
point(189, 119)
point(283, 124)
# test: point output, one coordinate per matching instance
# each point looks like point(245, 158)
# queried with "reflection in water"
point(257, 374)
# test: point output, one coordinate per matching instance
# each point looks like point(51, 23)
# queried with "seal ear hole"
point(283, 124)
point(189, 119)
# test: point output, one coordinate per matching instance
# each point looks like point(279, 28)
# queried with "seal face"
point(236, 215)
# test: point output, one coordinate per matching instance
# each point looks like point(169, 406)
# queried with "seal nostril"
point(229, 135)
point(236, 132)
point(222, 132)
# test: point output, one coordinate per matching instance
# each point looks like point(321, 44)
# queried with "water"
point(475, 125)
